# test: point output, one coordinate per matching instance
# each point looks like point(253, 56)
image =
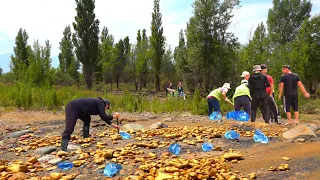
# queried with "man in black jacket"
point(82, 108)
point(257, 85)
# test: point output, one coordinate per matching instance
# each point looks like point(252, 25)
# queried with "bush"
point(63, 79)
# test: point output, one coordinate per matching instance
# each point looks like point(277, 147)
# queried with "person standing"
point(242, 97)
point(289, 83)
point(273, 109)
point(216, 96)
point(257, 85)
point(82, 108)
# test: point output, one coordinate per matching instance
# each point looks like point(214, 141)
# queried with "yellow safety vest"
point(242, 90)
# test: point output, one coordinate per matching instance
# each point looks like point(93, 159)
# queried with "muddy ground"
point(304, 163)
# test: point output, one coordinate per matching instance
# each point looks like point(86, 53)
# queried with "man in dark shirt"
point(82, 109)
point(289, 82)
point(257, 85)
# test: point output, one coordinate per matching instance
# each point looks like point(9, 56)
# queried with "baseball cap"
point(244, 82)
point(263, 66)
point(245, 73)
point(286, 66)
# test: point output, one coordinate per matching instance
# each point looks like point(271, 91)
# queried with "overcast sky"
point(46, 19)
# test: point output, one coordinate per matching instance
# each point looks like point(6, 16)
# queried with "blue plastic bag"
point(175, 149)
point(215, 116)
point(112, 169)
point(238, 116)
point(125, 135)
point(207, 146)
point(232, 135)
point(260, 137)
point(65, 166)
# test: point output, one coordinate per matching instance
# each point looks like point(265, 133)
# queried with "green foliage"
point(1, 70)
point(157, 42)
point(86, 38)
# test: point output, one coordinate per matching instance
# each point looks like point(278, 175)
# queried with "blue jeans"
point(213, 103)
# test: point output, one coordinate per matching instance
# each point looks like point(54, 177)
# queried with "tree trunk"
point(157, 83)
point(88, 77)
point(141, 82)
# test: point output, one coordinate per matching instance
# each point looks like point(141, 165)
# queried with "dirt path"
point(305, 157)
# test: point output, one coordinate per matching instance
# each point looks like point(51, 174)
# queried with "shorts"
point(291, 101)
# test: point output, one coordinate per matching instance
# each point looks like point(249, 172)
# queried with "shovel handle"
point(118, 125)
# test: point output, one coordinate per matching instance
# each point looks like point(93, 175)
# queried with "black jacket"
point(257, 85)
point(91, 106)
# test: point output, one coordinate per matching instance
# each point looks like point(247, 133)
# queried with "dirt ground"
point(305, 157)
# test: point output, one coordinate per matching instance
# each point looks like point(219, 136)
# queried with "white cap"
point(226, 85)
point(245, 73)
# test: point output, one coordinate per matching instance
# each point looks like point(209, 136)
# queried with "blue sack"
point(238, 116)
point(215, 116)
point(112, 169)
point(175, 149)
point(232, 135)
point(65, 166)
point(207, 146)
point(260, 137)
point(125, 135)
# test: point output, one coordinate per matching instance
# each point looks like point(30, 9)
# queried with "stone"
point(170, 119)
point(300, 131)
point(14, 168)
point(20, 133)
point(313, 127)
point(46, 158)
point(232, 155)
point(19, 176)
point(75, 157)
point(45, 150)
point(301, 140)
point(286, 158)
point(158, 125)
point(135, 127)
point(54, 161)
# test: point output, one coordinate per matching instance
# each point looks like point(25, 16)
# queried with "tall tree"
point(1, 70)
point(285, 19)
point(119, 64)
point(86, 38)
point(20, 61)
point(180, 55)
point(106, 56)
point(68, 63)
point(157, 42)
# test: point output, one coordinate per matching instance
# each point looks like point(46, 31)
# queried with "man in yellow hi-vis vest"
point(242, 97)
point(216, 96)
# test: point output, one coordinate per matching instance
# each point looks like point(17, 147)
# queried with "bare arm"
point(224, 96)
point(271, 88)
point(304, 91)
point(281, 85)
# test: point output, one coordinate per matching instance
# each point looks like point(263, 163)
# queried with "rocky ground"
point(29, 144)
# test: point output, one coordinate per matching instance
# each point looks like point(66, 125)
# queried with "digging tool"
point(118, 125)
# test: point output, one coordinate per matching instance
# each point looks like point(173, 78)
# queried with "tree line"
point(207, 55)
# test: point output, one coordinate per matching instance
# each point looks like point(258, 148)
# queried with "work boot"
point(85, 131)
point(64, 144)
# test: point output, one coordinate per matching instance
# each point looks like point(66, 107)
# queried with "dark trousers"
point(213, 103)
point(242, 102)
point(71, 120)
point(264, 108)
point(273, 109)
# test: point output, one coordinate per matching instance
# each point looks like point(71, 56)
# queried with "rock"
point(301, 140)
point(14, 168)
point(45, 150)
point(128, 127)
point(19, 176)
point(158, 125)
point(299, 132)
point(232, 155)
point(75, 157)
point(286, 158)
point(170, 119)
point(313, 127)
point(73, 147)
point(46, 158)
point(32, 160)
point(20, 133)
point(54, 161)
point(163, 176)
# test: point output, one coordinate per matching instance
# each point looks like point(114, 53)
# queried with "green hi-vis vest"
point(217, 94)
point(242, 90)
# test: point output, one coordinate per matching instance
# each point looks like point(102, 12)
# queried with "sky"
point(46, 19)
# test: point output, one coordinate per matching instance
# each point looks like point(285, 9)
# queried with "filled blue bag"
point(260, 137)
point(207, 146)
point(125, 135)
point(65, 166)
point(175, 149)
point(232, 135)
point(215, 116)
point(112, 169)
point(238, 116)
